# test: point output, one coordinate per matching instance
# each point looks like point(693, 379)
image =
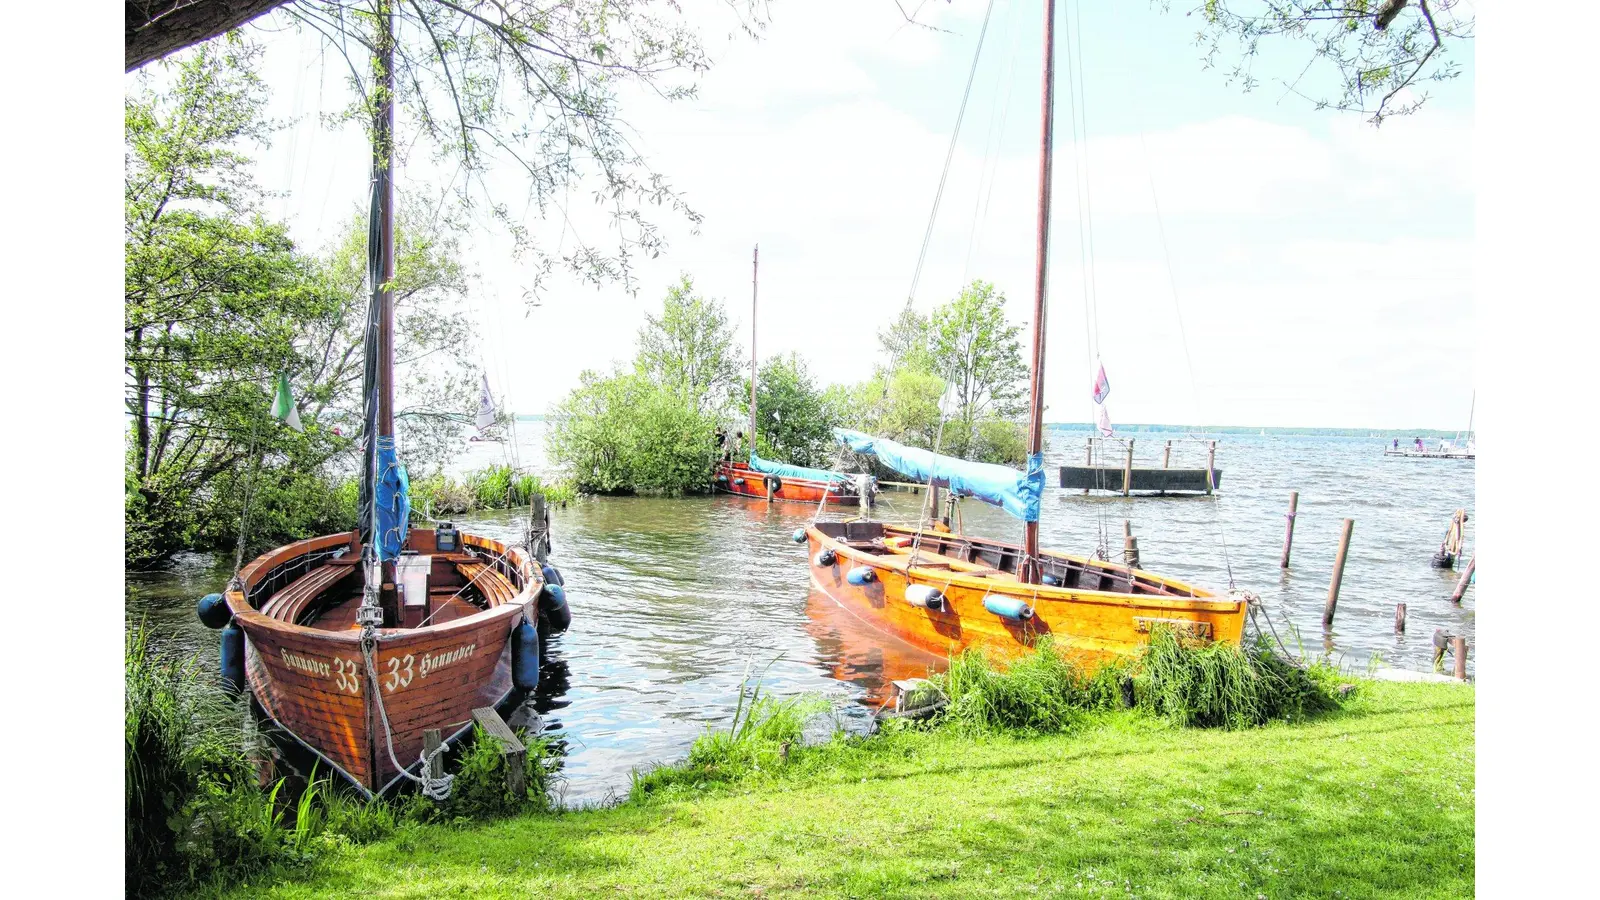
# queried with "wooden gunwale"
point(338, 723)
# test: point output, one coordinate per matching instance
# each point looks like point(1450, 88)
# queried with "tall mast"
point(383, 169)
point(1030, 536)
point(755, 263)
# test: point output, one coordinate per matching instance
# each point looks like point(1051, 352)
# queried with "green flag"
point(283, 405)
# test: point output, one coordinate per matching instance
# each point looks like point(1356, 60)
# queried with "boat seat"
point(289, 603)
point(494, 587)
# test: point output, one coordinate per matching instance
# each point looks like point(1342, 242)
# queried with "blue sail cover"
point(1016, 492)
point(786, 471)
point(393, 494)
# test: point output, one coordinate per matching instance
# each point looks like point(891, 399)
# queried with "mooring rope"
point(435, 788)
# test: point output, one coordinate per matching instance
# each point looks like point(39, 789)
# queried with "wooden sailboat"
point(945, 592)
point(777, 481)
point(354, 644)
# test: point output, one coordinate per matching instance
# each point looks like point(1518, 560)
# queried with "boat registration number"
point(1143, 625)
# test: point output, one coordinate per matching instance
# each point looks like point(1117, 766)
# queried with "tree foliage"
point(1368, 56)
point(795, 420)
point(532, 87)
point(689, 348)
point(218, 301)
point(651, 428)
point(978, 351)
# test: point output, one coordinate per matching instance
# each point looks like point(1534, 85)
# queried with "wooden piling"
point(1127, 470)
point(1166, 458)
point(1338, 574)
point(1288, 530)
point(516, 755)
point(539, 526)
point(1130, 545)
point(1211, 469)
point(1458, 647)
point(1399, 618)
point(1088, 458)
point(431, 739)
point(1466, 577)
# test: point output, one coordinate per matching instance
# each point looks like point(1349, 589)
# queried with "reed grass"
point(1040, 693)
point(762, 735)
point(496, 487)
point(1223, 685)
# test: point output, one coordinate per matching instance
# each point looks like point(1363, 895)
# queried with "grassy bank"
point(1372, 800)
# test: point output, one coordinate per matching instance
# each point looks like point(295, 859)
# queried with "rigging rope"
point(927, 237)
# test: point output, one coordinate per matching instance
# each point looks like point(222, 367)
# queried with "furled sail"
point(1018, 493)
point(781, 470)
point(383, 478)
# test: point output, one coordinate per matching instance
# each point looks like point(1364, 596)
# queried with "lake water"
point(675, 600)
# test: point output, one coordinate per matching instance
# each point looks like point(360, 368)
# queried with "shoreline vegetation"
point(1190, 771)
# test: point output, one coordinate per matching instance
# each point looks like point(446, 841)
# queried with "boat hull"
point(1092, 626)
point(314, 683)
point(737, 478)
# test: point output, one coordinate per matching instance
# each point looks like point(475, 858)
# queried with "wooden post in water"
point(1166, 459)
point(430, 742)
point(1088, 457)
point(1127, 470)
point(539, 527)
point(1211, 469)
point(1461, 585)
point(1338, 574)
point(1288, 530)
point(1399, 618)
point(1458, 646)
point(1130, 545)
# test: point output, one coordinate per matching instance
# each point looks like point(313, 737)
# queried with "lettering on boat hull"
point(1187, 627)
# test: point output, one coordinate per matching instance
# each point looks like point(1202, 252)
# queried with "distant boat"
point(779, 481)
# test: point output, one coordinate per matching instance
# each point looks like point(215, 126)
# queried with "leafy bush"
point(479, 790)
point(625, 433)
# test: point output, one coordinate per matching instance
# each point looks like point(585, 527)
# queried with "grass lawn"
point(1372, 801)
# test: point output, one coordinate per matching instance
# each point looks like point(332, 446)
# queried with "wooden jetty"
point(1125, 478)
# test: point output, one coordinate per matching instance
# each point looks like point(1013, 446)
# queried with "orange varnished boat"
point(739, 478)
point(1095, 611)
point(946, 593)
point(303, 657)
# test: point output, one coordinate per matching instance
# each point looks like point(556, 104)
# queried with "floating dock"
point(1124, 481)
point(1123, 477)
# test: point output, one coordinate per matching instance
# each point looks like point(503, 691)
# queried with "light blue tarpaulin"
point(1016, 492)
point(393, 491)
point(785, 471)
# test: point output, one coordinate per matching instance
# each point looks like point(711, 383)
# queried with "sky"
point(1254, 261)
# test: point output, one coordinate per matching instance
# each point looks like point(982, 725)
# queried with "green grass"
point(1372, 800)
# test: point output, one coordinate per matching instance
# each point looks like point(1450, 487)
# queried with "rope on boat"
point(434, 788)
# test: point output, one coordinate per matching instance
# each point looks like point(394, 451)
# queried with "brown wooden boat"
point(451, 653)
point(739, 478)
point(965, 592)
point(356, 643)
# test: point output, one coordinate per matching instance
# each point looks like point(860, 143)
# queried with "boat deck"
point(327, 597)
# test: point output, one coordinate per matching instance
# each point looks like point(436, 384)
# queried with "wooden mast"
point(755, 263)
point(383, 167)
point(1030, 536)
point(383, 170)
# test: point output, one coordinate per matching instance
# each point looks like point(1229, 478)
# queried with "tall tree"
point(690, 349)
point(977, 350)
